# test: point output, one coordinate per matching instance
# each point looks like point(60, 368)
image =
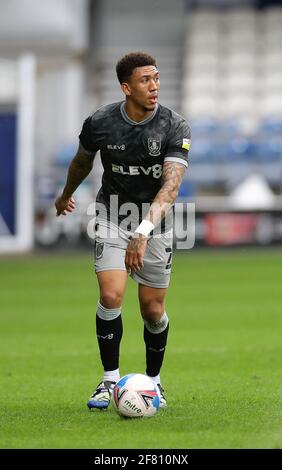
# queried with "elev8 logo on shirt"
point(155, 170)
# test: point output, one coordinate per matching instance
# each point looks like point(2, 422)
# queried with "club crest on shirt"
point(99, 250)
point(154, 146)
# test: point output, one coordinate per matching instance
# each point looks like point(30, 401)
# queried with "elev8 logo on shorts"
point(155, 170)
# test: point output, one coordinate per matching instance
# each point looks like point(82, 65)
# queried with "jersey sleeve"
point(179, 143)
point(87, 135)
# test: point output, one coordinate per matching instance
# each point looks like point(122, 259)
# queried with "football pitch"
point(223, 366)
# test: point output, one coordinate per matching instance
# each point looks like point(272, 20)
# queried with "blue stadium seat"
point(269, 148)
point(202, 150)
point(221, 148)
point(230, 127)
point(241, 148)
point(187, 188)
point(271, 125)
point(204, 126)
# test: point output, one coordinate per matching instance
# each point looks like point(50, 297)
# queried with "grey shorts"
point(110, 248)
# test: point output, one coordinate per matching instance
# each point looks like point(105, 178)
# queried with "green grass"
point(222, 371)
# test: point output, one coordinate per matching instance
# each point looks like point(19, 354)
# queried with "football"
point(136, 396)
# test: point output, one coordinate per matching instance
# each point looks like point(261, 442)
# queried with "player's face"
point(143, 87)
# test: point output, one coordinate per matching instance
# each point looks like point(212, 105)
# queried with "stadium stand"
point(232, 94)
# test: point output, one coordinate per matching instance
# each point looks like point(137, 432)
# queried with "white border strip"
point(23, 240)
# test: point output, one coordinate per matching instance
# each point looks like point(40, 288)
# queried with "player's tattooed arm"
point(80, 167)
point(172, 177)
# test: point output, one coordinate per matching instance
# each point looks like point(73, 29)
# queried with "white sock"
point(111, 375)
point(156, 379)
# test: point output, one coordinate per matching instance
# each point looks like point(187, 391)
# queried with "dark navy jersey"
point(133, 153)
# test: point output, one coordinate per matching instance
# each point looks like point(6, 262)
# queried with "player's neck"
point(135, 113)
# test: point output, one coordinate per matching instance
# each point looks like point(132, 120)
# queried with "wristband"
point(145, 228)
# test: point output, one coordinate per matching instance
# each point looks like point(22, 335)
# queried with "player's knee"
point(111, 299)
point(152, 310)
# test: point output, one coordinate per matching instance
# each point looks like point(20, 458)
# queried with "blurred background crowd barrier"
point(221, 68)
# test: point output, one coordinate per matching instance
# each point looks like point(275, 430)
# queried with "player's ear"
point(126, 89)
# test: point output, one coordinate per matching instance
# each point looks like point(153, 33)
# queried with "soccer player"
point(144, 152)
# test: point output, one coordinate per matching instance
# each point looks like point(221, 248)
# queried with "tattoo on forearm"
point(79, 168)
point(172, 176)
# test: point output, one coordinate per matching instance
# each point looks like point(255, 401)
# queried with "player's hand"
point(135, 252)
point(64, 205)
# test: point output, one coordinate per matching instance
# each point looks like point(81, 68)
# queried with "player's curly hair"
point(129, 62)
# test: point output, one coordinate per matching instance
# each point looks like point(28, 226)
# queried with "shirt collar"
point(135, 123)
